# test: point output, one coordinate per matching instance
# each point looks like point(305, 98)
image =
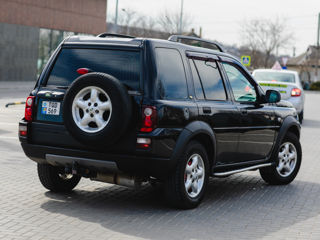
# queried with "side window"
point(243, 90)
point(171, 75)
point(211, 80)
point(196, 81)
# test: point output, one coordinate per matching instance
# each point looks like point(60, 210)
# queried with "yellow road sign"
point(246, 60)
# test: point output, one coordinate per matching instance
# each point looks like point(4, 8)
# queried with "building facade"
point(31, 29)
point(307, 64)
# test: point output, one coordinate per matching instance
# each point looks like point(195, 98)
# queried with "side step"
point(224, 174)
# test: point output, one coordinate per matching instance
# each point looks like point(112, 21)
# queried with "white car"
point(286, 82)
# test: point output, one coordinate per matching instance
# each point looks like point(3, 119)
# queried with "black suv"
point(127, 110)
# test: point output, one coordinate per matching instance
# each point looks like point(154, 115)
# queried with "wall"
point(83, 16)
point(20, 21)
point(18, 52)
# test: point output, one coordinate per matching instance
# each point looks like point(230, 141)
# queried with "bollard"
point(14, 103)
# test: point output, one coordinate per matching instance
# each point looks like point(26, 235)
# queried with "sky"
point(221, 20)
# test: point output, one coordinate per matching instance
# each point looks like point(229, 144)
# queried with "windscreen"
point(123, 65)
point(274, 77)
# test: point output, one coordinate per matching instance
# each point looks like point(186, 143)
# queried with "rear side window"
point(196, 81)
point(171, 75)
point(123, 65)
point(211, 79)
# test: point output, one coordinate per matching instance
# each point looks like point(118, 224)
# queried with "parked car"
point(286, 82)
point(126, 110)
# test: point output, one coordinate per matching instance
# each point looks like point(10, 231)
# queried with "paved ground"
point(238, 207)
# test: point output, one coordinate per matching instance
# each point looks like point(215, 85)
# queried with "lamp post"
point(318, 49)
point(181, 16)
point(116, 17)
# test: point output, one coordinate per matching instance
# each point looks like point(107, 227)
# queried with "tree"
point(133, 23)
point(265, 36)
point(170, 22)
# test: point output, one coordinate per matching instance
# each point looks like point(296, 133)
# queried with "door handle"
point(206, 110)
point(244, 111)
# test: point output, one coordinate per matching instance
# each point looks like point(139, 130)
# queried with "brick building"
point(31, 29)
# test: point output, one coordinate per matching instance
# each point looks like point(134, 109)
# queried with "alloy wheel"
point(194, 175)
point(91, 109)
point(287, 159)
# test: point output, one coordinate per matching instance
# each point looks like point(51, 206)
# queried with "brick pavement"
point(238, 207)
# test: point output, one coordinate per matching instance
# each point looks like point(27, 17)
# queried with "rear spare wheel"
point(97, 109)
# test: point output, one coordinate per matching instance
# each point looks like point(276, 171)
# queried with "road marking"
point(6, 123)
point(4, 137)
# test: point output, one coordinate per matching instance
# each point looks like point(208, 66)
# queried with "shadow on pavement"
point(311, 123)
point(241, 205)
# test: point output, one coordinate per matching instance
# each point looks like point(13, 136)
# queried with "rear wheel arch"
point(196, 131)
point(208, 144)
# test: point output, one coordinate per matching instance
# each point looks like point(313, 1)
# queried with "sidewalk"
point(14, 90)
point(18, 84)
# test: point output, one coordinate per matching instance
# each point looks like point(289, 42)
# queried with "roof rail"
point(103, 35)
point(176, 38)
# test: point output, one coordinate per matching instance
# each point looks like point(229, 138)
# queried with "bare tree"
point(132, 23)
point(265, 36)
point(170, 22)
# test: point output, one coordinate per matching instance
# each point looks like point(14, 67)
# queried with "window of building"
point(49, 40)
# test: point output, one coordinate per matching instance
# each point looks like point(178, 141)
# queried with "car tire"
point(301, 117)
point(53, 178)
point(191, 163)
point(113, 119)
point(287, 163)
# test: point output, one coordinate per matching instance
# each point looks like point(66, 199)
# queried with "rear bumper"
point(100, 162)
point(52, 144)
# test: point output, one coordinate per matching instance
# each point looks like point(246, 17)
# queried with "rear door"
point(257, 120)
point(122, 63)
point(171, 89)
point(215, 105)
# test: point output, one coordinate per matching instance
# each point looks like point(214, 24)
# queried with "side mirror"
point(273, 96)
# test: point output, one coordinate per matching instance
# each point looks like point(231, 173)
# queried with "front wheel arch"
point(295, 130)
point(271, 174)
point(290, 124)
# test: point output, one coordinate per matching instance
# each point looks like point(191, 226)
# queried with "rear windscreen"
point(123, 65)
point(274, 77)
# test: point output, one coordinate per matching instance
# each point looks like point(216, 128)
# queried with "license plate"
point(50, 108)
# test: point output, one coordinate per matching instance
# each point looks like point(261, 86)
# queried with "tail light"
point(23, 130)
point(29, 108)
point(149, 118)
point(296, 92)
point(143, 143)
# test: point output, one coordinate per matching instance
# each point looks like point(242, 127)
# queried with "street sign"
point(246, 60)
point(284, 61)
point(276, 66)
